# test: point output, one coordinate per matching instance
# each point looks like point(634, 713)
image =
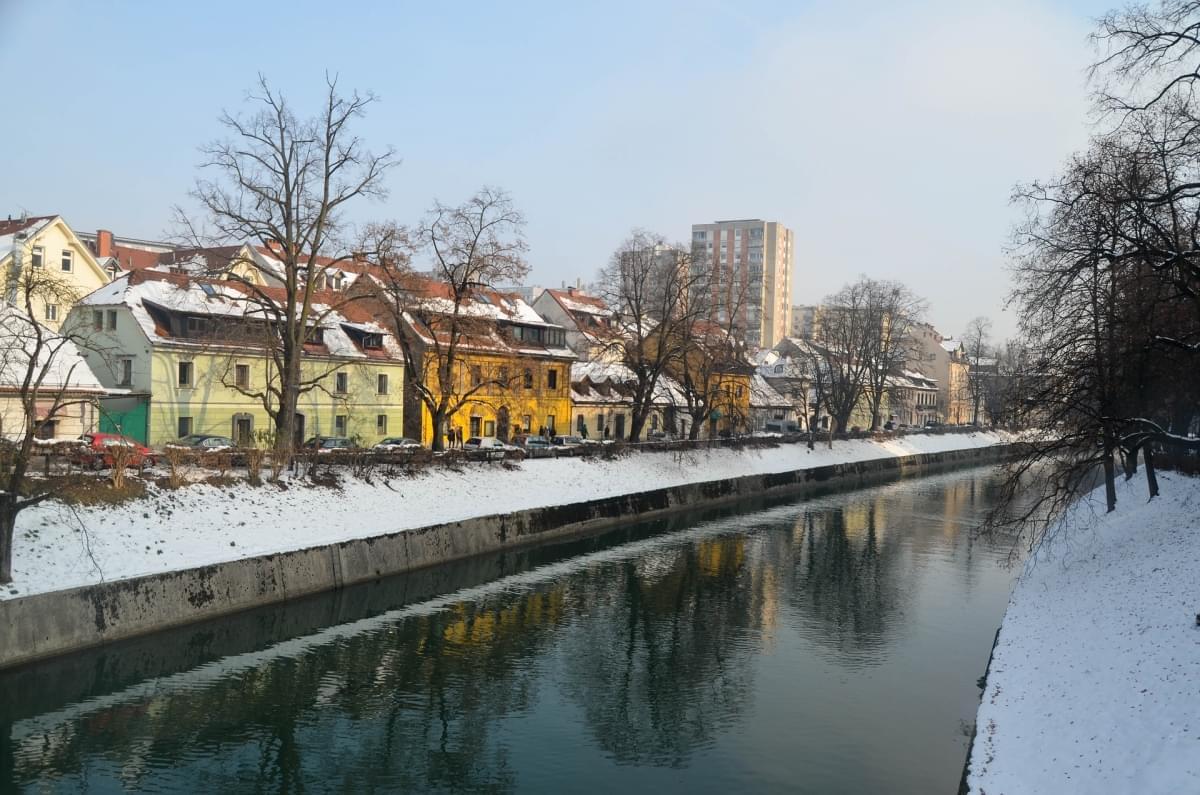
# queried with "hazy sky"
point(887, 135)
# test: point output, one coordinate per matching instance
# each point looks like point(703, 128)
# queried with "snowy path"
point(1095, 681)
point(201, 525)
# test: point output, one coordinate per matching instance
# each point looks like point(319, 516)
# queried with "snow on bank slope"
point(201, 525)
point(1095, 681)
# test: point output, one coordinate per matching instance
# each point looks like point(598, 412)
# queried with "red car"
point(96, 451)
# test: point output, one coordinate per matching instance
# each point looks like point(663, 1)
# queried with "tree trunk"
point(1151, 478)
point(8, 523)
point(1110, 478)
point(438, 442)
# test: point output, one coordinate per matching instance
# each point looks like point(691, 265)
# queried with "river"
point(827, 645)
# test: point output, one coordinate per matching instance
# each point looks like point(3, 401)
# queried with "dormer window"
point(316, 336)
point(372, 342)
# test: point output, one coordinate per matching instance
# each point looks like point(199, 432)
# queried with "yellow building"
point(510, 369)
point(190, 355)
point(46, 245)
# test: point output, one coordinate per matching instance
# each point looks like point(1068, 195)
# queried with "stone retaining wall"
point(44, 625)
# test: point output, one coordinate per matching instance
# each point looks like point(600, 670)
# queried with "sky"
point(887, 135)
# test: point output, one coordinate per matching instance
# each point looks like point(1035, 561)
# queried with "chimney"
point(104, 243)
point(570, 289)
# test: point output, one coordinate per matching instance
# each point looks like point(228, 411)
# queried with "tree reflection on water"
point(648, 652)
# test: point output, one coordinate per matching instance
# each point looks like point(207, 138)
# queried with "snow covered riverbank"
point(58, 547)
point(1095, 681)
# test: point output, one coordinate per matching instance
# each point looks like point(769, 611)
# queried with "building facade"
point(187, 354)
point(45, 248)
point(944, 360)
point(758, 255)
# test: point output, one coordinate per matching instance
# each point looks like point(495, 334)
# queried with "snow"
point(222, 300)
point(66, 370)
point(201, 525)
point(1095, 681)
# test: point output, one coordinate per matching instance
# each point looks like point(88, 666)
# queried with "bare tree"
point(892, 311)
point(651, 286)
point(472, 247)
point(285, 183)
point(977, 341)
point(712, 351)
point(845, 342)
point(41, 372)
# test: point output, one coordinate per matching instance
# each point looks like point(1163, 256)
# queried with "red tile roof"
point(13, 225)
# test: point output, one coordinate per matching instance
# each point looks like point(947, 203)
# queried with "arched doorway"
point(502, 428)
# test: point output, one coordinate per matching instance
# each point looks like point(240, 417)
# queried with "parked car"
point(398, 443)
point(489, 446)
point(96, 451)
point(203, 443)
point(568, 442)
point(535, 446)
point(328, 444)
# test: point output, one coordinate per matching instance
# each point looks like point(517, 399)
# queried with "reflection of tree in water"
point(662, 662)
point(845, 587)
point(413, 705)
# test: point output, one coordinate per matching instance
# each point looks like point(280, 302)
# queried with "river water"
point(826, 645)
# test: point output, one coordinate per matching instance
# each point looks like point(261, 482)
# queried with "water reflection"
point(650, 652)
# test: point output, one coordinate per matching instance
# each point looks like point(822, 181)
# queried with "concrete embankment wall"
point(44, 625)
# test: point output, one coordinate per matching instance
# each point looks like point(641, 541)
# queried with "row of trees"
point(1107, 272)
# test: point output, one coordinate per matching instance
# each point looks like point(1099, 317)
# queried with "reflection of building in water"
point(471, 625)
point(863, 517)
point(720, 555)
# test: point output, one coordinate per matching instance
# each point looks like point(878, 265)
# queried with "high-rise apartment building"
point(804, 321)
point(751, 261)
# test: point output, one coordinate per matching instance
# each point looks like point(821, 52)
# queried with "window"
point(581, 424)
point(195, 325)
point(185, 427)
point(527, 423)
point(552, 378)
point(125, 366)
point(489, 428)
point(779, 368)
point(38, 255)
point(341, 383)
point(339, 425)
point(241, 375)
point(66, 260)
point(381, 384)
point(504, 378)
point(528, 378)
point(381, 423)
point(185, 374)
point(373, 341)
point(599, 424)
point(316, 336)
point(112, 320)
point(476, 375)
point(98, 320)
point(738, 392)
point(52, 311)
point(476, 425)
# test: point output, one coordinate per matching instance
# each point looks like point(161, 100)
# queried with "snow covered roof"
point(28, 226)
point(65, 368)
point(143, 292)
point(763, 395)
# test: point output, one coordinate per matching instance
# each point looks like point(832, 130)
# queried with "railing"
point(169, 466)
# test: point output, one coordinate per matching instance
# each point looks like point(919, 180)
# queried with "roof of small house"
point(30, 225)
point(147, 292)
point(66, 369)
